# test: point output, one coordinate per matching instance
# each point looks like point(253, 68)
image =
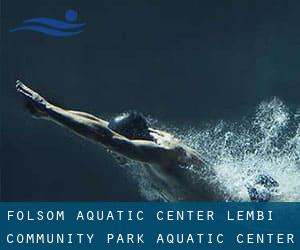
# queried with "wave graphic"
point(48, 31)
point(53, 23)
point(53, 27)
point(268, 142)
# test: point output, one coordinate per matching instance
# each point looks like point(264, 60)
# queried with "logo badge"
point(53, 27)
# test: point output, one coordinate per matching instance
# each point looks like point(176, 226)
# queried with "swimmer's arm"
point(82, 123)
point(96, 129)
point(142, 150)
point(87, 115)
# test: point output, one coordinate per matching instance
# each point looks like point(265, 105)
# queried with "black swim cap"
point(132, 125)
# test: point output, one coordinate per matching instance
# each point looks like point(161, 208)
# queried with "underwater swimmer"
point(128, 135)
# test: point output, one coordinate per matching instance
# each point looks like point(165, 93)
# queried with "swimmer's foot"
point(34, 103)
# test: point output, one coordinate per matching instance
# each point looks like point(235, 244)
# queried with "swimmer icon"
point(53, 27)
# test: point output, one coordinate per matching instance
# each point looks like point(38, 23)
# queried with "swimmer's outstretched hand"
point(35, 103)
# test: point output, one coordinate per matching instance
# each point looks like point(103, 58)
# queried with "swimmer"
point(128, 135)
